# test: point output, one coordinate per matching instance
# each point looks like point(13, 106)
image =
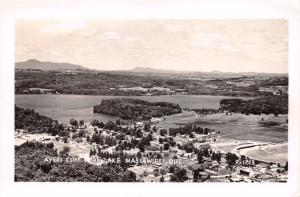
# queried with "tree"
point(243, 158)
point(50, 145)
point(196, 175)
point(81, 122)
point(63, 133)
point(73, 122)
point(189, 147)
point(180, 175)
point(231, 159)
point(65, 151)
point(149, 138)
point(88, 138)
point(129, 176)
point(160, 140)
point(166, 146)
point(200, 157)
point(97, 123)
point(81, 133)
point(110, 125)
point(286, 167)
point(156, 172)
point(217, 156)
point(162, 132)
point(92, 152)
point(141, 147)
point(65, 139)
point(171, 141)
point(139, 155)
point(162, 179)
point(147, 126)
point(46, 167)
point(74, 136)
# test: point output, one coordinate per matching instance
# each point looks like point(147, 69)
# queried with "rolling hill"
point(46, 66)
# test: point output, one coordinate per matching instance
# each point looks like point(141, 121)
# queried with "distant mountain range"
point(215, 72)
point(151, 70)
point(155, 70)
point(35, 64)
point(46, 66)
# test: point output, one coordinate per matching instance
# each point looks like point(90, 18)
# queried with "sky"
point(183, 45)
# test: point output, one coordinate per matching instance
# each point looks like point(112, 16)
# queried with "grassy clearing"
point(273, 153)
point(235, 126)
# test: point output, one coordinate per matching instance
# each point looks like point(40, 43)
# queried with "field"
point(235, 126)
point(276, 153)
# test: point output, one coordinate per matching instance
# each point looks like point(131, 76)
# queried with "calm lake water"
point(80, 107)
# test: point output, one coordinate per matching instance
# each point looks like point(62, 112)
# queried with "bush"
point(65, 139)
point(74, 122)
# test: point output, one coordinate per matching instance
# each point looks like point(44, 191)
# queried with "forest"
point(111, 83)
point(88, 83)
point(30, 165)
point(33, 122)
point(136, 109)
point(261, 105)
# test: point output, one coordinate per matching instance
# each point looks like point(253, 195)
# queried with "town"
point(151, 153)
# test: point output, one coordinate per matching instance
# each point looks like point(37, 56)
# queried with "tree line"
point(33, 122)
point(261, 105)
point(136, 109)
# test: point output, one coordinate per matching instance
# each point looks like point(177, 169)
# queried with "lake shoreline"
point(65, 107)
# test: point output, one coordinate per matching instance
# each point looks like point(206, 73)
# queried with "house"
point(188, 155)
point(283, 89)
point(277, 92)
point(179, 90)
point(155, 120)
point(204, 146)
point(139, 124)
point(134, 89)
point(266, 89)
point(41, 91)
point(160, 89)
point(203, 174)
point(196, 166)
point(235, 179)
point(202, 139)
point(247, 172)
point(214, 163)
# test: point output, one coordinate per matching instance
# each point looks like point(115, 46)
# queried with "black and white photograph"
point(151, 101)
point(149, 98)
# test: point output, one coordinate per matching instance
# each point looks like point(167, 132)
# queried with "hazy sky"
point(189, 45)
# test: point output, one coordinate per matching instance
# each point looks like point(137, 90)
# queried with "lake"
point(80, 107)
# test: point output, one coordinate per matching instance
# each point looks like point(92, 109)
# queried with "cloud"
point(213, 37)
point(245, 45)
point(110, 35)
point(133, 39)
point(177, 28)
point(207, 40)
point(87, 33)
point(228, 47)
point(63, 27)
point(55, 53)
